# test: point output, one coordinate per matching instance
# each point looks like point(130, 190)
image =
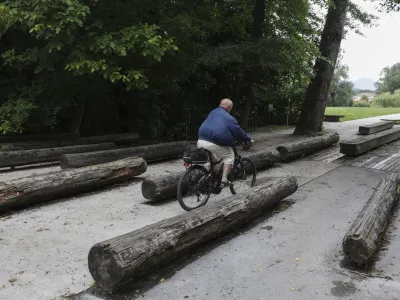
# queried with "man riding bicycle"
point(218, 133)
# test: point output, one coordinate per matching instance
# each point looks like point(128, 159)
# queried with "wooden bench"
point(396, 121)
point(332, 118)
point(375, 127)
point(368, 142)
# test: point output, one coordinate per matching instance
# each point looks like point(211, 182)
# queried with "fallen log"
point(34, 137)
point(306, 146)
point(161, 188)
point(118, 139)
point(27, 191)
point(165, 187)
point(30, 157)
point(149, 153)
point(120, 260)
point(361, 240)
point(365, 143)
point(375, 127)
point(265, 158)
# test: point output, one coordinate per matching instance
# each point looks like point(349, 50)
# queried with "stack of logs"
point(86, 171)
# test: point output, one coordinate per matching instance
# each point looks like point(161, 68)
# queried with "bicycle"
point(200, 182)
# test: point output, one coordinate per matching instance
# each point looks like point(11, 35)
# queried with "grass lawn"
point(354, 113)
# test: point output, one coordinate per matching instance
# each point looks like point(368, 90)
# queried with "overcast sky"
point(367, 56)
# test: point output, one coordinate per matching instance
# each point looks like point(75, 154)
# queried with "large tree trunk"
point(149, 153)
point(77, 117)
point(29, 157)
point(118, 139)
point(124, 258)
point(298, 149)
point(362, 239)
point(255, 72)
point(165, 187)
point(311, 117)
point(27, 191)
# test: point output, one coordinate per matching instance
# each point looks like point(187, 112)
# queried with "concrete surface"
point(44, 249)
point(312, 229)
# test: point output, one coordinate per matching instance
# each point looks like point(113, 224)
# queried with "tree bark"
point(161, 188)
point(122, 259)
point(149, 153)
point(118, 139)
point(27, 191)
point(255, 72)
point(29, 157)
point(165, 187)
point(361, 240)
point(264, 158)
point(306, 146)
point(311, 117)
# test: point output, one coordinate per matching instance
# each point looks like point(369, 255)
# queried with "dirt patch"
point(343, 289)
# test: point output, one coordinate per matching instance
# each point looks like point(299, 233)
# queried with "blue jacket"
point(222, 129)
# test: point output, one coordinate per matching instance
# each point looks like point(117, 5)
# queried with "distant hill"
point(364, 84)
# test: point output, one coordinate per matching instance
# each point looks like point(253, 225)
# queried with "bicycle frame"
point(212, 172)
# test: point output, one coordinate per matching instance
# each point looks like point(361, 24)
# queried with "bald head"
point(227, 104)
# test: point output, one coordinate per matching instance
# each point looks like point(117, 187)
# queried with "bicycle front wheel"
point(243, 176)
point(194, 188)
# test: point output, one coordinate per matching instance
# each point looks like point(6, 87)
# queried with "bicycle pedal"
point(216, 190)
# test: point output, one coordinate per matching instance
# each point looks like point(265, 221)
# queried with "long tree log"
point(361, 240)
point(298, 149)
point(27, 191)
point(165, 187)
point(29, 157)
point(35, 137)
point(119, 260)
point(311, 118)
point(118, 139)
point(149, 153)
point(264, 158)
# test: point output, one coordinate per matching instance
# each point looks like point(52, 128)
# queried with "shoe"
point(225, 184)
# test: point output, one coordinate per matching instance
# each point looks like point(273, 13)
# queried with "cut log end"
point(103, 266)
point(283, 152)
point(148, 189)
point(356, 250)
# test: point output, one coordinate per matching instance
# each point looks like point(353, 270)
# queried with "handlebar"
point(245, 145)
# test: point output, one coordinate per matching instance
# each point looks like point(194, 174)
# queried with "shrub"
point(361, 104)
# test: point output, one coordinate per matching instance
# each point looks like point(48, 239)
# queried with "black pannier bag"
point(196, 156)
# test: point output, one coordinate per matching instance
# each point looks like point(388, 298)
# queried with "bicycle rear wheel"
point(242, 176)
point(194, 188)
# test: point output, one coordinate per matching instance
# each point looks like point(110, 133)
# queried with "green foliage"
point(361, 104)
point(388, 100)
point(389, 5)
point(14, 115)
point(389, 80)
point(150, 67)
point(341, 91)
